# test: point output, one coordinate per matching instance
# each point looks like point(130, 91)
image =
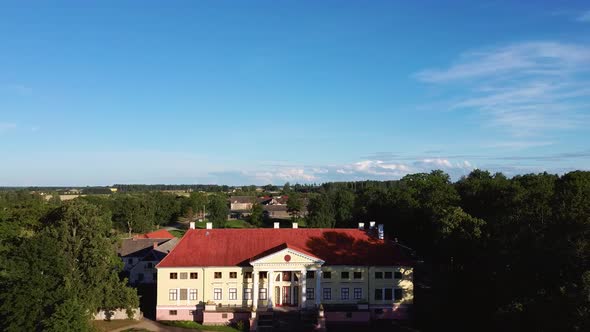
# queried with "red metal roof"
point(160, 234)
point(237, 247)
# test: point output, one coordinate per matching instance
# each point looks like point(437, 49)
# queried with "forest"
point(494, 253)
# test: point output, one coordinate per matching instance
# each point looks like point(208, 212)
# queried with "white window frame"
point(217, 294)
point(347, 293)
point(233, 294)
point(360, 293)
point(173, 294)
point(247, 293)
point(193, 294)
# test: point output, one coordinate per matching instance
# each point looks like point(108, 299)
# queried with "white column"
point(318, 286)
point(270, 289)
point(255, 290)
point(303, 288)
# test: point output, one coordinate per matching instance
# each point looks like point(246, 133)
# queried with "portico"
point(284, 272)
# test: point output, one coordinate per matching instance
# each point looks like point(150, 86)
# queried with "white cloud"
point(526, 89)
point(584, 17)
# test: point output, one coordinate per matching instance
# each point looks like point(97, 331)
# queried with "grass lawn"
point(105, 326)
point(177, 233)
point(196, 326)
point(237, 223)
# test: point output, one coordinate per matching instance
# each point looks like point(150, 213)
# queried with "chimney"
point(361, 225)
point(209, 225)
point(155, 245)
point(192, 225)
point(295, 225)
point(371, 224)
point(380, 232)
point(276, 225)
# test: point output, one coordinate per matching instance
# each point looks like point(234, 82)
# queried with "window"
point(140, 276)
point(310, 294)
point(310, 274)
point(262, 275)
point(217, 275)
point(327, 293)
point(247, 293)
point(217, 293)
point(378, 294)
point(173, 312)
point(388, 275)
point(344, 275)
point(173, 295)
point(388, 294)
point(193, 295)
point(358, 275)
point(233, 293)
point(397, 275)
point(287, 276)
point(130, 261)
point(378, 275)
point(223, 315)
point(327, 275)
point(183, 275)
point(344, 293)
point(262, 294)
point(358, 293)
point(149, 265)
point(194, 275)
point(247, 275)
point(398, 295)
point(233, 275)
point(173, 275)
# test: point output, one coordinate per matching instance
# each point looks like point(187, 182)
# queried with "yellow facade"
point(227, 286)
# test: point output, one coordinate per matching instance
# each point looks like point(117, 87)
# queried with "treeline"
point(179, 187)
point(500, 254)
point(146, 211)
point(58, 264)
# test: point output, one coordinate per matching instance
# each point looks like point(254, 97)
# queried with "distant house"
point(241, 203)
point(276, 211)
point(144, 271)
point(142, 252)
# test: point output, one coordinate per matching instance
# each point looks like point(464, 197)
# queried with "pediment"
point(285, 254)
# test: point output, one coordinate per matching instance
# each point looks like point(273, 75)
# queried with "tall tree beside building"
point(343, 201)
point(256, 214)
point(218, 210)
point(294, 205)
point(63, 273)
point(320, 212)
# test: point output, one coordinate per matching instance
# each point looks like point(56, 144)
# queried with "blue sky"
point(241, 92)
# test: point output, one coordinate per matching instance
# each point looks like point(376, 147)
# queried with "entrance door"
point(295, 295)
point(277, 298)
point(286, 295)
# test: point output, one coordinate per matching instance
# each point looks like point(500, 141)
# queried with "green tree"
point(62, 274)
point(343, 201)
point(256, 215)
point(133, 213)
point(218, 210)
point(294, 205)
point(320, 212)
